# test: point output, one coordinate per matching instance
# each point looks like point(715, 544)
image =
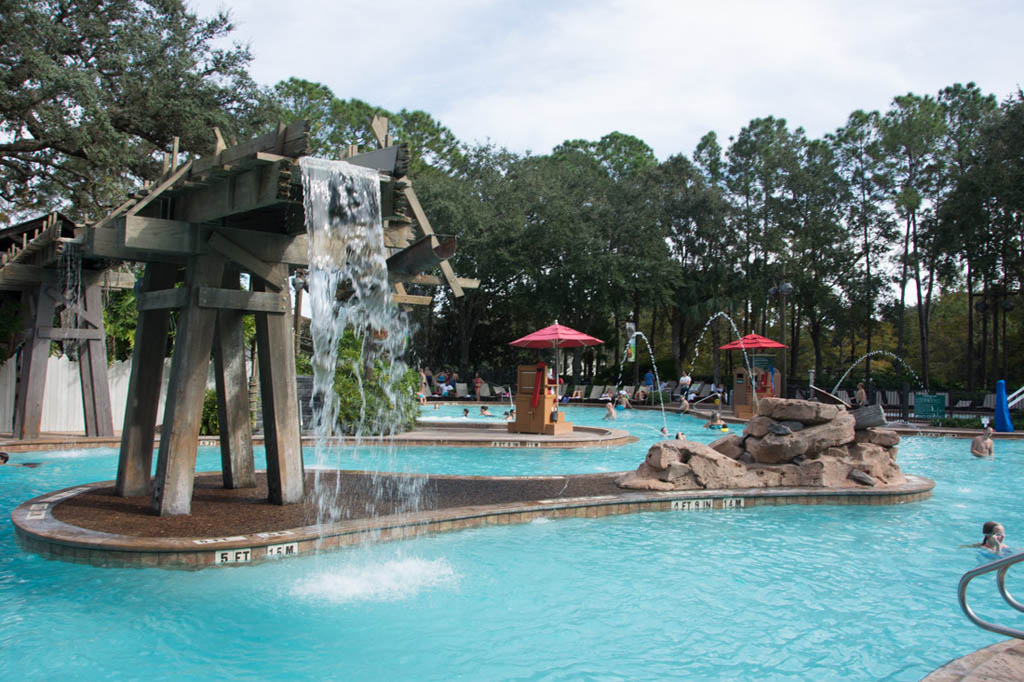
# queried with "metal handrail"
point(1002, 566)
point(1015, 397)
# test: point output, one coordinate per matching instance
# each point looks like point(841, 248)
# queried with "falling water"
point(868, 355)
point(69, 282)
point(348, 289)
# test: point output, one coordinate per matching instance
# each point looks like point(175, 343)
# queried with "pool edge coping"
point(39, 532)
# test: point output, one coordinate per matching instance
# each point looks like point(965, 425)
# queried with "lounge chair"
point(461, 390)
point(990, 401)
point(595, 392)
point(485, 390)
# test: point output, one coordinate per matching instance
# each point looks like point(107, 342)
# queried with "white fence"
point(62, 397)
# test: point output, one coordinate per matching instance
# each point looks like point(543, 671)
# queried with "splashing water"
point(654, 367)
point(349, 290)
point(868, 355)
point(739, 337)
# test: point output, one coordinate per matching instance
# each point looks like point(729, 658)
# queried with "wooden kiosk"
point(744, 402)
point(537, 403)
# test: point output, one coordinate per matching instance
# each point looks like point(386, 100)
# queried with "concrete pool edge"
point(39, 532)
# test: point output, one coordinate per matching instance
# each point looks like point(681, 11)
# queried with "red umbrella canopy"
point(556, 336)
point(752, 342)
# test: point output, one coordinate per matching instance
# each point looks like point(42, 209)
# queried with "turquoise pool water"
point(776, 593)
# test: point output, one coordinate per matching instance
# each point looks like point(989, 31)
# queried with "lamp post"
point(782, 291)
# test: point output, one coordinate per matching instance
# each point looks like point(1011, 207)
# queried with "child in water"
point(994, 535)
point(716, 423)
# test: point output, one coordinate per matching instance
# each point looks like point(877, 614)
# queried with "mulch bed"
point(218, 512)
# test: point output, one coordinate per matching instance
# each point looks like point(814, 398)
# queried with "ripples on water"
point(775, 593)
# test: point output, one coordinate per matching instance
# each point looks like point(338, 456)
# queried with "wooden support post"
point(40, 304)
point(136, 459)
point(186, 390)
point(92, 369)
point(274, 338)
point(237, 464)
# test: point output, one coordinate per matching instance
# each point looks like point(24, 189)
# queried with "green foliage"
point(210, 424)
point(373, 402)
point(975, 422)
point(120, 317)
point(89, 92)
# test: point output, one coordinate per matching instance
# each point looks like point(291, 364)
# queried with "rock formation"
point(795, 443)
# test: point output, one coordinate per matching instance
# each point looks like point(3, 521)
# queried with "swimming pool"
point(813, 593)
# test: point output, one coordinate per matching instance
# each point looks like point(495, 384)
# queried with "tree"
point(336, 123)
point(910, 134)
point(860, 157)
point(91, 92)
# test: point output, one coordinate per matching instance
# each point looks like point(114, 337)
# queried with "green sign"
point(929, 406)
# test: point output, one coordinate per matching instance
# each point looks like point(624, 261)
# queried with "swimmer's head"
point(680, 435)
point(465, 412)
point(4, 458)
point(993, 528)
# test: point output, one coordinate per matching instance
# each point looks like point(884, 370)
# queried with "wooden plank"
point(244, 258)
point(109, 279)
point(18, 275)
point(271, 302)
point(186, 390)
point(135, 461)
point(432, 280)
point(266, 246)
point(274, 339)
point(424, 223)
point(92, 369)
point(413, 299)
point(238, 467)
point(295, 142)
point(40, 303)
point(156, 235)
point(65, 333)
point(379, 126)
point(161, 300)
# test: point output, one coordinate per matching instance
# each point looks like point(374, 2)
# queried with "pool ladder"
point(1001, 566)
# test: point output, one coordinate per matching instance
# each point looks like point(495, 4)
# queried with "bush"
point(372, 410)
point(210, 425)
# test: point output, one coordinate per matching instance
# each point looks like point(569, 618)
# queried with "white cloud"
point(531, 74)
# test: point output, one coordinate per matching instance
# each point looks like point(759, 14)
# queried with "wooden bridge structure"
point(197, 230)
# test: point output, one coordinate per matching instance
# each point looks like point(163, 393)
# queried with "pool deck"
point(1002, 662)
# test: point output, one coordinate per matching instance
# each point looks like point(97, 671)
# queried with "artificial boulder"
point(791, 443)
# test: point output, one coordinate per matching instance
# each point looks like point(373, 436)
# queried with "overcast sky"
point(530, 74)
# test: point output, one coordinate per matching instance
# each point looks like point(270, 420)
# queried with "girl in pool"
point(993, 540)
point(716, 423)
point(609, 414)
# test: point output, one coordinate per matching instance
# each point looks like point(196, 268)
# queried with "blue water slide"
point(1002, 423)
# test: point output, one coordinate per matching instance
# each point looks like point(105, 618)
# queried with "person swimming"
point(609, 414)
point(994, 535)
point(484, 412)
point(716, 423)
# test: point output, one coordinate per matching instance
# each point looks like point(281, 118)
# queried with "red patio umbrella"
point(556, 336)
point(752, 342)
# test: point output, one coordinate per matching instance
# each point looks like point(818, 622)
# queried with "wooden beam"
point(274, 338)
point(135, 461)
point(247, 301)
point(244, 258)
point(424, 223)
point(413, 299)
point(65, 333)
point(256, 188)
point(432, 280)
point(157, 235)
point(92, 368)
point(293, 143)
point(238, 468)
point(186, 390)
point(163, 299)
point(379, 126)
point(156, 239)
